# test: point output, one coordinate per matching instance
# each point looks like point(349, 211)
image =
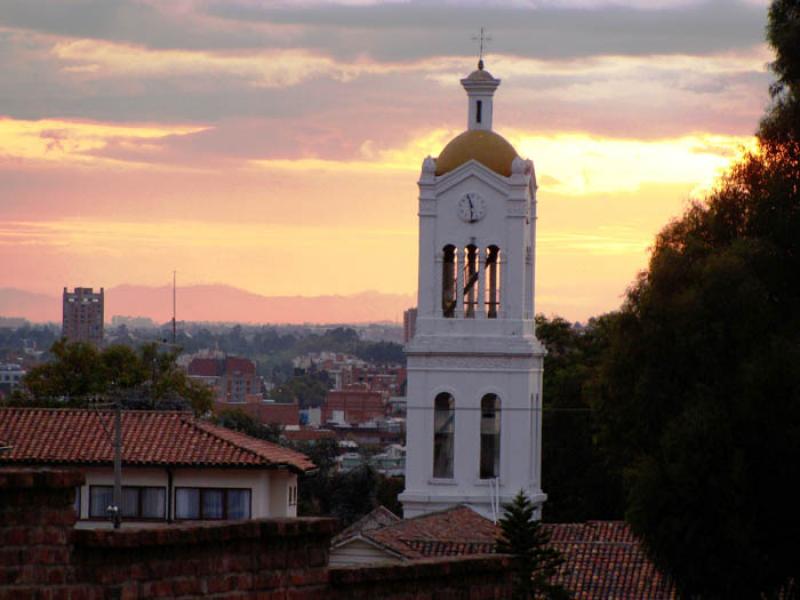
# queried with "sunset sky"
point(275, 146)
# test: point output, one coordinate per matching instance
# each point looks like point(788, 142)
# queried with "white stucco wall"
point(471, 357)
point(268, 488)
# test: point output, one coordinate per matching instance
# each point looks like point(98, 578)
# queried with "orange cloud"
point(65, 141)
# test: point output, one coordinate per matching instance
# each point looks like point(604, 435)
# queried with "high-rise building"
point(83, 312)
point(474, 364)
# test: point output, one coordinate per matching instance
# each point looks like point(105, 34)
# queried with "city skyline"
point(276, 147)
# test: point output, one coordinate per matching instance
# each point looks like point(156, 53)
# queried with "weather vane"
point(484, 41)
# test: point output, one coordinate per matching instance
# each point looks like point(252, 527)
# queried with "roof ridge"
point(72, 409)
point(441, 511)
point(200, 425)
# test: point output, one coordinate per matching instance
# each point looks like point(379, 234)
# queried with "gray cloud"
point(400, 32)
point(418, 29)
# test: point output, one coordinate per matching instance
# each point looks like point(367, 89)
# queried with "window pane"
point(153, 502)
point(443, 436)
point(187, 503)
point(490, 437)
point(100, 498)
point(212, 504)
point(130, 502)
point(238, 504)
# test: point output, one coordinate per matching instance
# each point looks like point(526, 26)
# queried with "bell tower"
point(475, 365)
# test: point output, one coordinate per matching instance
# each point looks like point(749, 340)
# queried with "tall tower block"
point(474, 365)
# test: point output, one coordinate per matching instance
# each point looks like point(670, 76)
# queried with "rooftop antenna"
point(174, 305)
point(484, 40)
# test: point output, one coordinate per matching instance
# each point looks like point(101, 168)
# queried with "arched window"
point(493, 282)
point(490, 436)
point(443, 435)
point(449, 281)
point(471, 282)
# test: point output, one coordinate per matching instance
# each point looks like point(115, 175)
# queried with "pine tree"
point(535, 563)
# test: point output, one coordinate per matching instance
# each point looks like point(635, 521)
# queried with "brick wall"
point(36, 520)
point(43, 556)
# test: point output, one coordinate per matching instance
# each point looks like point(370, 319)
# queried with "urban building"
point(232, 378)
point(82, 315)
point(10, 377)
point(474, 363)
point(353, 407)
point(175, 468)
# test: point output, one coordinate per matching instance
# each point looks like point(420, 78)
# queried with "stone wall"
point(43, 556)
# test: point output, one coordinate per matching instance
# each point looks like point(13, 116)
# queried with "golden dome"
point(487, 147)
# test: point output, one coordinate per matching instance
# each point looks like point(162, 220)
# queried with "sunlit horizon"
point(255, 155)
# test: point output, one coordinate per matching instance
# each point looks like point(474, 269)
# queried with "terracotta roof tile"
point(450, 532)
point(376, 519)
point(603, 559)
point(77, 436)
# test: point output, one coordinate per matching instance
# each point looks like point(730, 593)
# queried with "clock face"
point(471, 207)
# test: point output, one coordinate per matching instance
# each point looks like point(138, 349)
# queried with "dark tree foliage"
point(347, 496)
point(354, 494)
point(535, 563)
point(143, 378)
point(388, 493)
point(238, 420)
point(308, 390)
point(579, 484)
point(701, 395)
point(381, 352)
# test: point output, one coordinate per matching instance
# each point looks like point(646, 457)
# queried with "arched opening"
point(471, 282)
point(493, 282)
point(449, 281)
point(443, 435)
point(490, 437)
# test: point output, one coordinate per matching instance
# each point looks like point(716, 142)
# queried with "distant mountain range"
point(217, 303)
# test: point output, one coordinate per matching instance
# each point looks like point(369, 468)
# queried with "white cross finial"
point(484, 41)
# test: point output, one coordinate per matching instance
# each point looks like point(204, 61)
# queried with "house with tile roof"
point(175, 467)
point(602, 559)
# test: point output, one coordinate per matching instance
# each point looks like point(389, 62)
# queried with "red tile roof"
point(376, 519)
point(602, 559)
point(77, 436)
point(451, 532)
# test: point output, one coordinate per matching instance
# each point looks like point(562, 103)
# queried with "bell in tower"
point(475, 365)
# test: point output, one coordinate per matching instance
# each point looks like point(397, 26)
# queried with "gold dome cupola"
point(478, 142)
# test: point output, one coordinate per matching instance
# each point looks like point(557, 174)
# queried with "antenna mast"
point(174, 305)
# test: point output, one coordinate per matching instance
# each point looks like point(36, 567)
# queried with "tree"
point(238, 420)
point(535, 562)
point(700, 393)
point(579, 484)
point(147, 378)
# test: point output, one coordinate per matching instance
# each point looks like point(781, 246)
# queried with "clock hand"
point(471, 215)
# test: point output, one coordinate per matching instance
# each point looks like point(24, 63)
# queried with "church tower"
point(474, 365)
